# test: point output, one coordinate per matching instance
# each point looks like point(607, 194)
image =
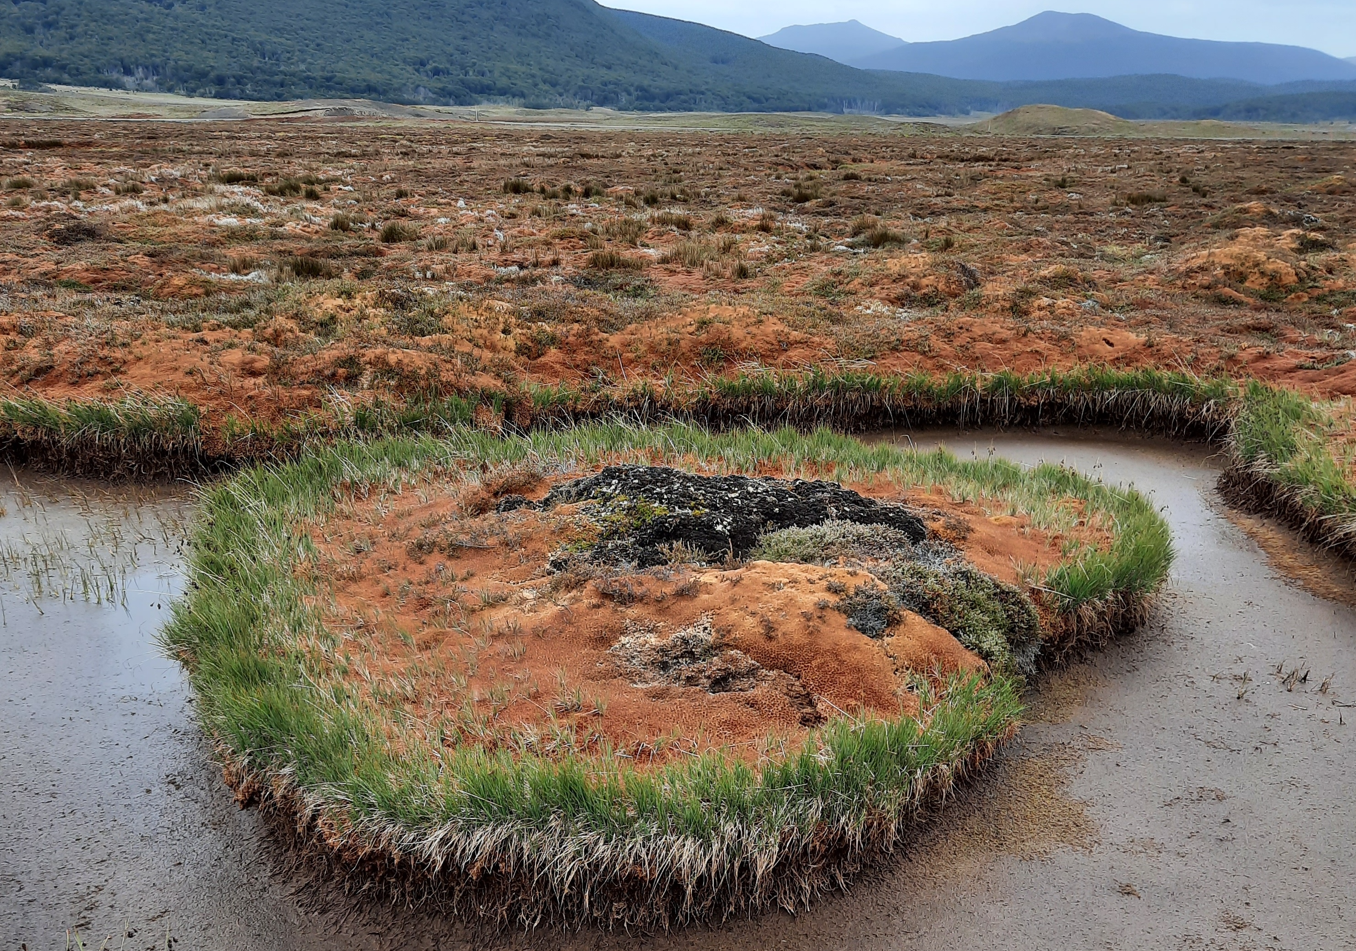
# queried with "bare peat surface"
point(1185, 788)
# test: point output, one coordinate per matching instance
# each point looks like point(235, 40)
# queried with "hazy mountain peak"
point(1052, 46)
point(844, 42)
point(1065, 26)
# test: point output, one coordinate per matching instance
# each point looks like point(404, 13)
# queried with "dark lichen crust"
point(645, 509)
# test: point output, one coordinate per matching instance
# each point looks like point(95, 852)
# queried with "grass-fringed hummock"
point(578, 836)
point(169, 435)
point(1288, 459)
point(138, 436)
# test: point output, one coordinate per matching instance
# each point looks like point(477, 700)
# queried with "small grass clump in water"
point(575, 836)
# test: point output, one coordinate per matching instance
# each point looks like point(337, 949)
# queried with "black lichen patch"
point(642, 512)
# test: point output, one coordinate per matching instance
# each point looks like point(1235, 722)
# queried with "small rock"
point(969, 276)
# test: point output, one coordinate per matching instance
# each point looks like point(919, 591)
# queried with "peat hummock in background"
point(545, 53)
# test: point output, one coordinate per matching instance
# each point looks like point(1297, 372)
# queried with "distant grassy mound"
point(1056, 120)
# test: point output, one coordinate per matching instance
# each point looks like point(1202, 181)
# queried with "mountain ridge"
point(1054, 45)
point(843, 41)
point(535, 53)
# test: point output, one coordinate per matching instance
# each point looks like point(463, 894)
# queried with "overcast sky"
point(1329, 25)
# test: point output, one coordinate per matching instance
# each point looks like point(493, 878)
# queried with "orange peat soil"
point(449, 617)
point(271, 269)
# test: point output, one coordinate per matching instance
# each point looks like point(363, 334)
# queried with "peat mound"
point(650, 613)
point(633, 695)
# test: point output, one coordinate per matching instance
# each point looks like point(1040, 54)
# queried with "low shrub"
point(607, 260)
point(395, 232)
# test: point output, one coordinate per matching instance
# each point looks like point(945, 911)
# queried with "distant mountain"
point(540, 53)
point(845, 42)
point(796, 81)
point(1080, 45)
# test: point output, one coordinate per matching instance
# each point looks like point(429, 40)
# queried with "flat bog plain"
point(264, 270)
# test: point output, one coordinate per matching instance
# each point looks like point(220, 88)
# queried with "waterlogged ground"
point(1185, 788)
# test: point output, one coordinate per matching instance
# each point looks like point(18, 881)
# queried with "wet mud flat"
point(1184, 788)
point(114, 823)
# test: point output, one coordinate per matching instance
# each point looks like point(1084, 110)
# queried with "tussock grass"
point(879, 236)
point(803, 191)
point(1170, 403)
point(1285, 461)
point(132, 438)
point(689, 253)
point(570, 837)
point(284, 188)
point(235, 176)
point(608, 260)
point(626, 229)
point(673, 219)
point(393, 232)
point(306, 268)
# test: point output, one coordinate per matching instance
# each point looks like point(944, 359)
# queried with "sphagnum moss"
point(586, 838)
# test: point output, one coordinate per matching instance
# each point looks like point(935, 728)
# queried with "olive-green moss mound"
point(997, 621)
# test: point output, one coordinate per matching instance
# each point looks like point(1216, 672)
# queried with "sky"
point(1328, 25)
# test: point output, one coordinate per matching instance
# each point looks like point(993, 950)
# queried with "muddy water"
point(113, 823)
point(1180, 789)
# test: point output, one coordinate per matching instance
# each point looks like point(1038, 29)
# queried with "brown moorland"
point(270, 269)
